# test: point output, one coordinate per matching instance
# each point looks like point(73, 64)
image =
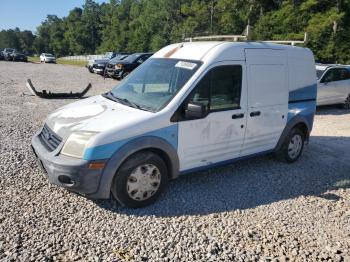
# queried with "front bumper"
point(50, 60)
point(98, 70)
point(68, 172)
point(114, 73)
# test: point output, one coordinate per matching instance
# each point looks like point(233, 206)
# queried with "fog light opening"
point(66, 180)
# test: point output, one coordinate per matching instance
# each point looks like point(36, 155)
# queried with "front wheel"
point(292, 147)
point(140, 180)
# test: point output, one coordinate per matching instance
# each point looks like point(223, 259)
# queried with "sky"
point(28, 14)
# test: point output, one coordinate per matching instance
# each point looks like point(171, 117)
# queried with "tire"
point(346, 104)
point(143, 167)
point(293, 146)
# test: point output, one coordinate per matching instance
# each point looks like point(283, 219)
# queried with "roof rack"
point(234, 38)
point(289, 42)
point(237, 38)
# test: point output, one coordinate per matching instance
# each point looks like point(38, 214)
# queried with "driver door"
point(218, 136)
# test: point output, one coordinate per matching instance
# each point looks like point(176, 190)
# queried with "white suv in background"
point(333, 85)
point(47, 58)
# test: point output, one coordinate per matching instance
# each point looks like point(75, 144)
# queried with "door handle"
point(255, 113)
point(236, 116)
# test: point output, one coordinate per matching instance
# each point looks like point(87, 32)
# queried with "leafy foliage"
point(147, 25)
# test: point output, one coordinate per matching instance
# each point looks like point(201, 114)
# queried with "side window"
point(201, 93)
point(336, 74)
point(329, 76)
point(220, 88)
point(344, 74)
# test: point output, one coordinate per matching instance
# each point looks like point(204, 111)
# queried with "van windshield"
point(155, 83)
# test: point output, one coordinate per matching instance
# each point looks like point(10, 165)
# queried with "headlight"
point(76, 144)
point(119, 66)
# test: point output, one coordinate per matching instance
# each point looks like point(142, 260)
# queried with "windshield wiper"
point(124, 101)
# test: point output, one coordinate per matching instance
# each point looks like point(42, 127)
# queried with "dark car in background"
point(121, 68)
point(100, 65)
point(1, 56)
point(96, 63)
point(6, 52)
point(114, 61)
point(16, 56)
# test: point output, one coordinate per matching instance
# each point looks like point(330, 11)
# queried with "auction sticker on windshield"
point(186, 65)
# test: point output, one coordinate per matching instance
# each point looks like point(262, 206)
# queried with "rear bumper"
point(68, 172)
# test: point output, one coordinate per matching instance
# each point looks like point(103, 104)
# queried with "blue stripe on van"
point(169, 134)
point(304, 93)
point(304, 108)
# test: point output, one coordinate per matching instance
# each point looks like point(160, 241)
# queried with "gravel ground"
point(254, 210)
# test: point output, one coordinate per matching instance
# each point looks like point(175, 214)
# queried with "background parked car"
point(333, 85)
point(6, 52)
point(2, 55)
point(100, 65)
point(16, 56)
point(47, 58)
point(114, 61)
point(121, 68)
point(107, 56)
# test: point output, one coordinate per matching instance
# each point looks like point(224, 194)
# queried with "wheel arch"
point(298, 121)
point(150, 143)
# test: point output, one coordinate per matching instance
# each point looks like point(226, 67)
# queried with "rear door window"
point(332, 75)
point(344, 74)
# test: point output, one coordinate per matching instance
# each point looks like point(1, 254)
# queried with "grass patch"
point(36, 59)
point(71, 62)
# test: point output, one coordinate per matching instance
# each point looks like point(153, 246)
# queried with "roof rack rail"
point(236, 38)
point(289, 42)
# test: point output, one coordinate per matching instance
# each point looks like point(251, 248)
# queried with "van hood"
point(95, 114)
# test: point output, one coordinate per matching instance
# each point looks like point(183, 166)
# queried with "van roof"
point(211, 50)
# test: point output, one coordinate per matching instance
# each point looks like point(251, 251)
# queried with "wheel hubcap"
point(295, 146)
point(143, 182)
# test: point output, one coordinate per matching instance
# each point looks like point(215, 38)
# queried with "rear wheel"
point(292, 147)
point(346, 104)
point(140, 180)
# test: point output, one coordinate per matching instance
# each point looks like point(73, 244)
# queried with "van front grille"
point(50, 140)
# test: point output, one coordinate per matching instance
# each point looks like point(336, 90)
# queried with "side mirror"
point(195, 111)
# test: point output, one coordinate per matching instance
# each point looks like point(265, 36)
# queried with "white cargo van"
point(190, 106)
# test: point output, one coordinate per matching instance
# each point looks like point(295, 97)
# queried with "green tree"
point(110, 27)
